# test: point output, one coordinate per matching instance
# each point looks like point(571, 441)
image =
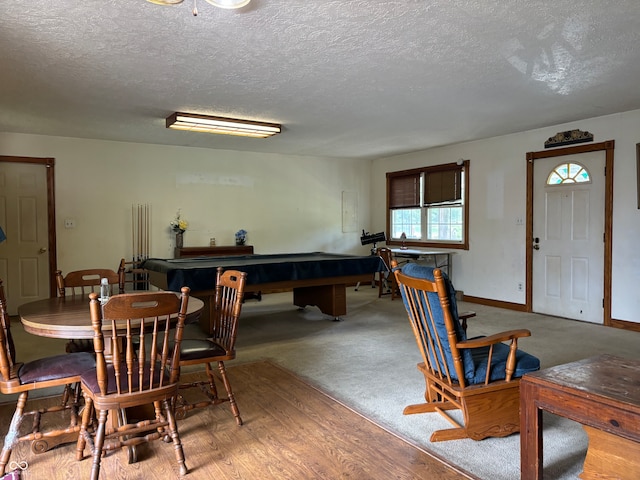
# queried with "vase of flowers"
point(241, 237)
point(179, 226)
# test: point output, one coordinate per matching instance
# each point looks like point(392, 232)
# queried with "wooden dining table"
point(69, 317)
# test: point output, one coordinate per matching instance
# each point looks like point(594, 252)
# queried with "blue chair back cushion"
point(474, 360)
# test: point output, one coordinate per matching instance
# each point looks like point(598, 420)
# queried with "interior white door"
point(568, 258)
point(24, 259)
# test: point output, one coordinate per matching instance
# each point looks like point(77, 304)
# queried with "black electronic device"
point(374, 238)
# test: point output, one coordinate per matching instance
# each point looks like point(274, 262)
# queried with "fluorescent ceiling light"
point(226, 126)
point(216, 3)
point(228, 3)
point(165, 2)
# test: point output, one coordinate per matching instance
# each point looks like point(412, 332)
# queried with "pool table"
point(316, 278)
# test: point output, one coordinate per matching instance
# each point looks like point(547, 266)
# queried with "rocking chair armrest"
point(495, 338)
point(464, 316)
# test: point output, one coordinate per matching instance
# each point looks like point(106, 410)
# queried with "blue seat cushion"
point(474, 360)
point(525, 363)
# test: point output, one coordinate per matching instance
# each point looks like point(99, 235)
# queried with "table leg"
point(330, 299)
point(531, 449)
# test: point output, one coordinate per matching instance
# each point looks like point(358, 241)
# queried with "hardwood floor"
point(291, 431)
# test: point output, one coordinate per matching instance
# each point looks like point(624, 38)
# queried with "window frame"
point(425, 171)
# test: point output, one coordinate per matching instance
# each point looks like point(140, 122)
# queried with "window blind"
point(404, 191)
point(443, 186)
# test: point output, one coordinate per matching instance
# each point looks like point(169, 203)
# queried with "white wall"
point(294, 204)
point(495, 261)
point(286, 203)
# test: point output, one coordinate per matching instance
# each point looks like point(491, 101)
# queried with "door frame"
point(49, 164)
point(608, 147)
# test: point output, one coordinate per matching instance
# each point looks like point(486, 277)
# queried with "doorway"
point(570, 283)
point(27, 215)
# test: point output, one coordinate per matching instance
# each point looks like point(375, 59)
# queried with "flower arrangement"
point(179, 225)
point(241, 236)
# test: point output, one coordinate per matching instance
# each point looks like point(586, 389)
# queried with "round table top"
point(69, 317)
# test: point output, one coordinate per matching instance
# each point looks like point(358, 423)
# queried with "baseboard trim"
point(519, 307)
point(625, 325)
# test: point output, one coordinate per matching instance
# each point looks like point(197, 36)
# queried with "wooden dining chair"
point(21, 378)
point(478, 376)
point(219, 348)
point(136, 376)
point(82, 283)
point(133, 278)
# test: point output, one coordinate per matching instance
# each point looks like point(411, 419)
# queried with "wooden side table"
point(603, 394)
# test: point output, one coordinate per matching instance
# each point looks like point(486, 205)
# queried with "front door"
point(568, 236)
point(24, 217)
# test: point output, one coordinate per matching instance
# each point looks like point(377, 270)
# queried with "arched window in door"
point(568, 173)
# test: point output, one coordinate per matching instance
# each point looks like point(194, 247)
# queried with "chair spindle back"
point(139, 364)
point(84, 282)
point(429, 311)
point(228, 306)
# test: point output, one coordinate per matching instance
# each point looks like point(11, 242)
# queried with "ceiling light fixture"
point(192, 122)
point(228, 4)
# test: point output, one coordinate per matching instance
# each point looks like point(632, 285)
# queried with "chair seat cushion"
point(89, 378)
point(525, 363)
point(193, 348)
point(56, 367)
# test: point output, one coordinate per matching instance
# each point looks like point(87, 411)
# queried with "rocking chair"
point(478, 376)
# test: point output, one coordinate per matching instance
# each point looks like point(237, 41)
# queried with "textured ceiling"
point(345, 78)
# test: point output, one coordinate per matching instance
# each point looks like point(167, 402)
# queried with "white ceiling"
point(345, 78)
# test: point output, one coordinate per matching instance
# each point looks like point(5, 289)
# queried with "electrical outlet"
point(520, 286)
point(69, 223)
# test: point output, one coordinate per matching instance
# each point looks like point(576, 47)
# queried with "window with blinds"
point(429, 206)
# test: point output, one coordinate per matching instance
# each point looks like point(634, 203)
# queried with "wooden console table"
point(217, 251)
point(603, 394)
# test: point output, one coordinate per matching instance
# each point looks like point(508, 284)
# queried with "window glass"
point(568, 173)
point(407, 221)
point(445, 223)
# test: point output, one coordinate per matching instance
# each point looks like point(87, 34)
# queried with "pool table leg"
point(330, 299)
